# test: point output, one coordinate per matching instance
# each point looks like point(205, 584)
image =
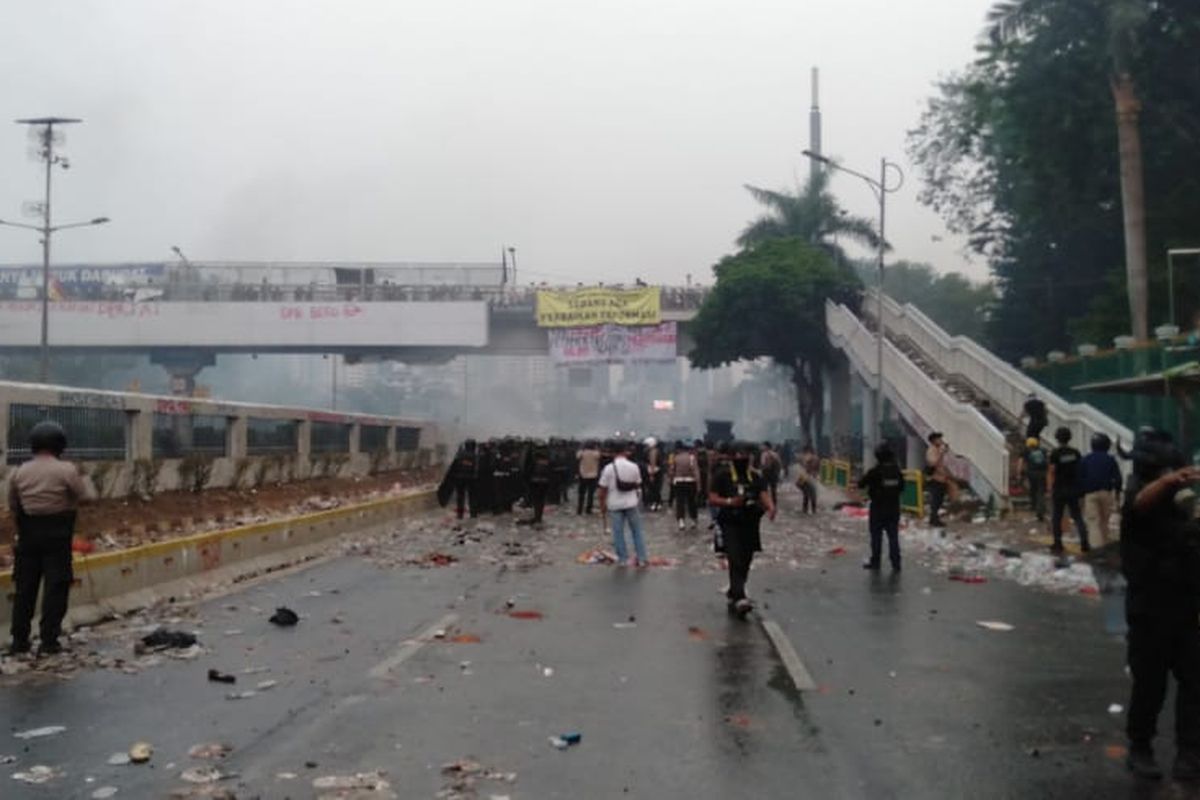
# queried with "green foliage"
point(951, 300)
point(769, 302)
point(810, 214)
point(1019, 153)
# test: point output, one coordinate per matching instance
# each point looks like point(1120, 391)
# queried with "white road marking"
point(787, 654)
point(410, 647)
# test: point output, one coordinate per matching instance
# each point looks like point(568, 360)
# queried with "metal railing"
point(980, 452)
point(94, 434)
point(271, 436)
point(180, 435)
point(330, 437)
point(1003, 384)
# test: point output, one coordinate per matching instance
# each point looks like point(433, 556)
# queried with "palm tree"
point(1009, 21)
point(811, 214)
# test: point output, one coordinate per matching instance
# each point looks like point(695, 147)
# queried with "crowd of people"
point(734, 484)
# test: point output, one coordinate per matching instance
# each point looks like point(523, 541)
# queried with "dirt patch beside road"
point(128, 522)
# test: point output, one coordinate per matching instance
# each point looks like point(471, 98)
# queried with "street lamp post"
point(46, 229)
point(881, 189)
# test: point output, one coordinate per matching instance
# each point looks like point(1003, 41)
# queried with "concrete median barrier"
point(125, 580)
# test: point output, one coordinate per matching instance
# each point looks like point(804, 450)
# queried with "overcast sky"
point(604, 140)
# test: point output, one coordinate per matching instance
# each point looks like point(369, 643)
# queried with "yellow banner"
point(578, 308)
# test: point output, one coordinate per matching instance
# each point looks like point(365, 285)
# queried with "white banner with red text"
point(614, 344)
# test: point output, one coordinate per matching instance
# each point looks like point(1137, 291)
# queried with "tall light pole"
point(881, 189)
point(46, 153)
point(512, 259)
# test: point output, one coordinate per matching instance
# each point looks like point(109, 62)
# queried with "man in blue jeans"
point(619, 492)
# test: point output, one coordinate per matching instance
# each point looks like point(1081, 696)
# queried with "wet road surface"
point(672, 697)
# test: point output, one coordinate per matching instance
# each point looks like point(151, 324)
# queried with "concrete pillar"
point(235, 444)
point(141, 436)
point(304, 440)
point(838, 412)
point(355, 437)
point(868, 427)
point(914, 452)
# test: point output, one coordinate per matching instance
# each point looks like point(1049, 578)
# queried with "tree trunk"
point(804, 403)
point(1133, 201)
point(818, 384)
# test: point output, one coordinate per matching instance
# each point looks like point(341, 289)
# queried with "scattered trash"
point(353, 785)
point(104, 792)
point(697, 634)
point(838, 551)
point(993, 625)
point(1008, 552)
point(968, 578)
point(264, 686)
point(926, 590)
point(548, 672)
point(565, 740)
point(597, 557)
point(40, 733)
point(286, 776)
point(201, 775)
point(36, 775)
point(210, 750)
point(255, 670)
point(525, 614)
point(465, 638)
point(221, 677)
point(624, 625)
point(742, 721)
point(246, 695)
point(7, 760)
point(118, 759)
point(141, 752)
point(163, 639)
point(284, 617)
point(1116, 708)
point(435, 559)
point(1117, 752)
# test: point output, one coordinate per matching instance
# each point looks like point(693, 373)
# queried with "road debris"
point(284, 617)
point(246, 695)
point(104, 792)
point(359, 785)
point(525, 614)
point(163, 639)
point(141, 752)
point(697, 634)
point(1116, 708)
point(463, 775)
point(994, 625)
point(37, 775)
point(118, 760)
point(41, 733)
point(210, 750)
point(205, 774)
point(217, 676)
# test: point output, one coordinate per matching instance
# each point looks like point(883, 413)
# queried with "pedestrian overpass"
point(934, 381)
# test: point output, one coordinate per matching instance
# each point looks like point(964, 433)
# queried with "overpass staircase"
point(974, 377)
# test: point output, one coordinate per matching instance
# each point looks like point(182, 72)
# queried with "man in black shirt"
point(884, 483)
point(742, 497)
point(1035, 412)
point(1160, 562)
point(1064, 490)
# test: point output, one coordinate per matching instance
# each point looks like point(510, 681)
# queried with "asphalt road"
point(914, 699)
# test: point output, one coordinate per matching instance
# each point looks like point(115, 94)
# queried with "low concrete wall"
point(125, 580)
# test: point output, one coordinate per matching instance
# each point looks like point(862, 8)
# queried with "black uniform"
point(1160, 563)
point(884, 484)
point(540, 478)
point(465, 472)
point(1066, 494)
point(739, 526)
point(1035, 409)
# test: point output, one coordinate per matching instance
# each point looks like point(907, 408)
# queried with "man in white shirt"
point(619, 492)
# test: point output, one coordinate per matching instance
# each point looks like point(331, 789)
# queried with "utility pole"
point(814, 125)
point(47, 228)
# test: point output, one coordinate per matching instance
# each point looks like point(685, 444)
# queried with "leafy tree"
point(810, 214)
point(1123, 22)
point(1017, 153)
point(769, 302)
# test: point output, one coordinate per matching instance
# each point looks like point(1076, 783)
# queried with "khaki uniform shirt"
point(589, 464)
point(45, 485)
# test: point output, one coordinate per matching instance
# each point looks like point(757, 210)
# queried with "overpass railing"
point(982, 453)
point(1005, 386)
point(137, 443)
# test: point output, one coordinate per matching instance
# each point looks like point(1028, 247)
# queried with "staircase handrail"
point(1005, 386)
point(925, 404)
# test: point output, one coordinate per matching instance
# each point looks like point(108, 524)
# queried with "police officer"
point(884, 483)
point(742, 498)
point(43, 495)
point(1065, 490)
point(1160, 563)
point(465, 472)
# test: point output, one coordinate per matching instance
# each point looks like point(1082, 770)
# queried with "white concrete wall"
point(247, 324)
